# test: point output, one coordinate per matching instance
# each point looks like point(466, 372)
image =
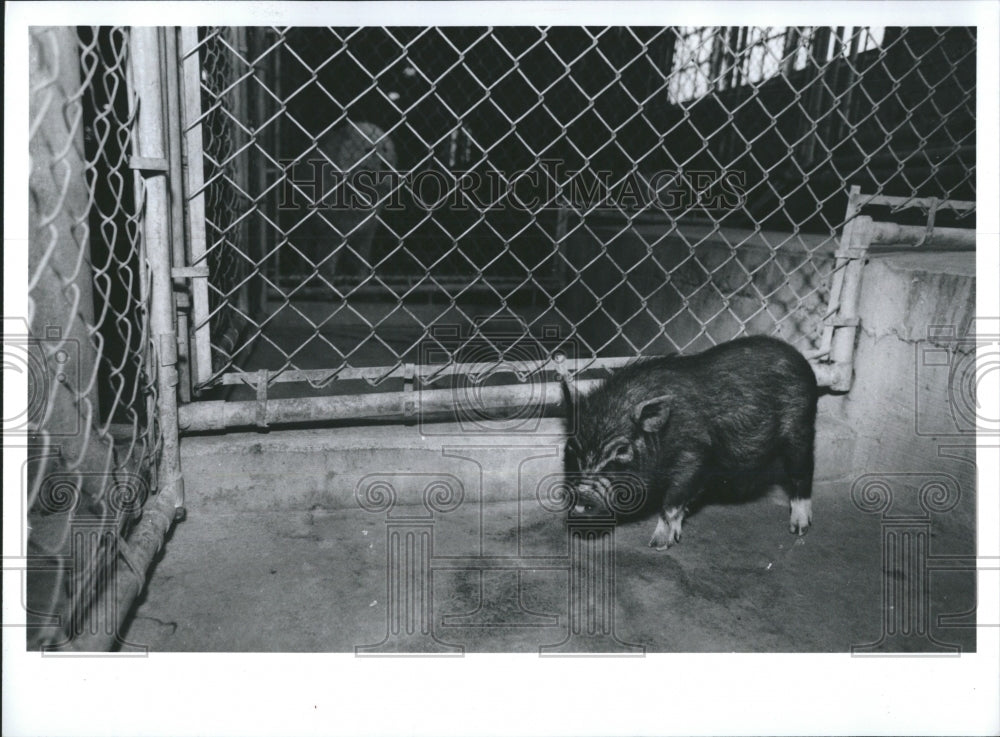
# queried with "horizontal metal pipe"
point(924, 202)
point(428, 403)
point(381, 405)
point(399, 280)
point(421, 372)
point(953, 239)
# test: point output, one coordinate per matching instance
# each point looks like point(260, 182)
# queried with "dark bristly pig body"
point(729, 417)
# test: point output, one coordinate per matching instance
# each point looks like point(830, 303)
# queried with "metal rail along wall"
point(399, 220)
point(98, 347)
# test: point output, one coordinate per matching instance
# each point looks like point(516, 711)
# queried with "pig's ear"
point(652, 414)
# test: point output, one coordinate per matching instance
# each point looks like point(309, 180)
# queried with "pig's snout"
point(588, 502)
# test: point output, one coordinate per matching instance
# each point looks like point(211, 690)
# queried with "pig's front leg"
point(668, 528)
point(685, 482)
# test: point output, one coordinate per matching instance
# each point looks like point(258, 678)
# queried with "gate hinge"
point(148, 164)
point(409, 405)
point(261, 418)
point(855, 239)
point(560, 367)
point(931, 214)
point(168, 349)
point(842, 322)
point(852, 252)
point(189, 272)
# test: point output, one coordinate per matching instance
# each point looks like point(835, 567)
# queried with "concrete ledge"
point(656, 275)
point(904, 294)
point(302, 469)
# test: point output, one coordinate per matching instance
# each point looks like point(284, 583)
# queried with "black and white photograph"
point(373, 368)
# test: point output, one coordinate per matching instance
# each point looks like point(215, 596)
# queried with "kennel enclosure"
point(255, 227)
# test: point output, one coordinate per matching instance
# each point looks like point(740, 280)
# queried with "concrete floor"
point(305, 577)
point(277, 555)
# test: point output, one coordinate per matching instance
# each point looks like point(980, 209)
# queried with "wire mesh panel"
point(92, 424)
point(377, 199)
point(88, 424)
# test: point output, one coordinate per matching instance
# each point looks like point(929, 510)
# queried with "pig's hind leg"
point(798, 458)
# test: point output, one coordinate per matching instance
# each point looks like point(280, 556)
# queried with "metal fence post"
point(194, 190)
point(851, 258)
point(150, 156)
point(176, 182)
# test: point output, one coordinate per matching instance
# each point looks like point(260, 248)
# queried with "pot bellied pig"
point(729, 417)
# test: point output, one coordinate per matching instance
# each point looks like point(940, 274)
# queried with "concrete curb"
point(341, 467)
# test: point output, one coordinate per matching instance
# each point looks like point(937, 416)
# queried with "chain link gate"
point(445, 208)
point(102, 478)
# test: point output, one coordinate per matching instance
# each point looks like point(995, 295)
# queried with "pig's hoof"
point(801, 516)
point(667, 532)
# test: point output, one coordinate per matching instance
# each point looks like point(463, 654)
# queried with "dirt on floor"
point(515, 577)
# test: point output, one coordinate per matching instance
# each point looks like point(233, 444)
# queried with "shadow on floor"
point(512, 577)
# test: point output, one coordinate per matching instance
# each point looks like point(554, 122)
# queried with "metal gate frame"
point(832, 361)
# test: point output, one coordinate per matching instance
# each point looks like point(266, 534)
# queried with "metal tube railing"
point(435, 404)
point(941, 239)
point(176, 182)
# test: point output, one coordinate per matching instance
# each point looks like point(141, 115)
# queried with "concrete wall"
point(911, 408)
point(663, 289)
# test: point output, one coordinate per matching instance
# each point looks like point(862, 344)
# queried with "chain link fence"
point(351, 210)
point(636, 190)
point(92, 421)
point(598, 193)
